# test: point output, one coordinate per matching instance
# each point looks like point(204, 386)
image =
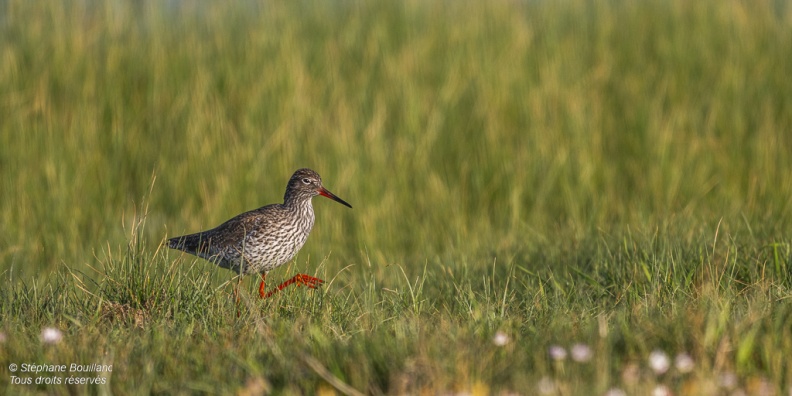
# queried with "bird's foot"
point(299, 279)
point(307, 280)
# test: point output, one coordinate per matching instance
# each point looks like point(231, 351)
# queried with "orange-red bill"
point(323, 192)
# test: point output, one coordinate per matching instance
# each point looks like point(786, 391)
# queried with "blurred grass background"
point(453, 128)
point(564, 139)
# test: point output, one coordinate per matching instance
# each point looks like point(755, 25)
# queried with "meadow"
point(550, 197)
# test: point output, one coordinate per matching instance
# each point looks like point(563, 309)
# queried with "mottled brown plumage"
point(265, 238)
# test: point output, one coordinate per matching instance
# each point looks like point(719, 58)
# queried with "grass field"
point(526, 176)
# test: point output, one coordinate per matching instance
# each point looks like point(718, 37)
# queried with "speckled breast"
point(276, 246)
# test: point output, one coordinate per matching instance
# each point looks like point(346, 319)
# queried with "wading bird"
point(263, 239)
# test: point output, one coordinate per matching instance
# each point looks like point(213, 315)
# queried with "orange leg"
point(299, 279)
point(261, 285)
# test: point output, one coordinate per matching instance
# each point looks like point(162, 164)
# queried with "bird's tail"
point(186, 243)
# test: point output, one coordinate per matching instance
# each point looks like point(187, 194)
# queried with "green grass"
point(616, 174)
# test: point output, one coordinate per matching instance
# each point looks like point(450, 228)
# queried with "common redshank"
point(263, 239)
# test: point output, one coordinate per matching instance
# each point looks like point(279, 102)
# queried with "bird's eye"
point(306, 180)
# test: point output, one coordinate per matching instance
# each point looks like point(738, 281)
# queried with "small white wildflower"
point(546, 386)
point(615, 392)
point(501, 338)
point(51, 335)
point(661, 390)
point(727, 380)
point(631, 374)
point(659, 362)
point(557, 352)
point(581, 353)
point(684, 363)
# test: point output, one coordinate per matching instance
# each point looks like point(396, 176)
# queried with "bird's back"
point(252, 242)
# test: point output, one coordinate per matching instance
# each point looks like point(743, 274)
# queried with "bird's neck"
point(301, 211)
point(301, 205)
